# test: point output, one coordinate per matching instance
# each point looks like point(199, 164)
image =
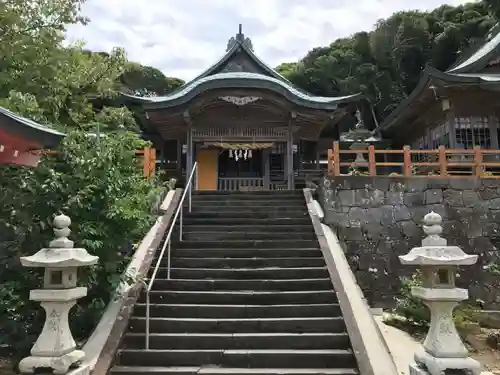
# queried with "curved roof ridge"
point(226, 76)
point(478, 59)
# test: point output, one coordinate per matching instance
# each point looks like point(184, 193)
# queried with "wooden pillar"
point(493, 126)
point(179, 156)
point(265, 162)
point(317, 155)
point(289, 152)
point(189, 154)
point(450, 123)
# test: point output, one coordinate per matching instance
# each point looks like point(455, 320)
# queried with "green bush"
point(412, 308)
point(99, 184)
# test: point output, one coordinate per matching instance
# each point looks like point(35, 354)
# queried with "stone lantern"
point(55, 348)
point(443, 348)
point(359, 138)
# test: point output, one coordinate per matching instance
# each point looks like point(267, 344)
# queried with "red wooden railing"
point(435, 163)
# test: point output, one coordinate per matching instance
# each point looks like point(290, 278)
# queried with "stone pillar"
point(443, 348)
point(55, 348)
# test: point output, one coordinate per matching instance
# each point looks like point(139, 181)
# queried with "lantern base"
point(427, 364)
point(59, 365)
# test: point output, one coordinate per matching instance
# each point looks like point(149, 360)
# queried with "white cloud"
point(182, 38)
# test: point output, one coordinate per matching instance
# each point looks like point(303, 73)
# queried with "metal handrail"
point(166, 244)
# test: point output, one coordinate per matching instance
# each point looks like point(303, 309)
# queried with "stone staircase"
point(250, 294)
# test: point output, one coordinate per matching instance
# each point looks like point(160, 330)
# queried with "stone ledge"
point(370, 349)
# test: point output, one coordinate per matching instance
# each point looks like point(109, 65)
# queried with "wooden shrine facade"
point(246, 126)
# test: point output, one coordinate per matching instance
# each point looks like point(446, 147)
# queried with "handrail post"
point(330, 161)
point(167, 246)
point(407, 163)
point(372, 162)
point(169, 258)
point(336, 159)
point(147, 318)
point(478, 161)
point(180, 225)
point(443, 170)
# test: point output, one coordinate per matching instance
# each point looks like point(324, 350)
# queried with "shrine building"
point(21, 139)
point(457, 108)
point(246, 126)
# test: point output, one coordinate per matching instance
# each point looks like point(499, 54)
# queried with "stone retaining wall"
point(378, 218)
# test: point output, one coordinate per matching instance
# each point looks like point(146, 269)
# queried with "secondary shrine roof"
point(28, 130)
point(475, 69)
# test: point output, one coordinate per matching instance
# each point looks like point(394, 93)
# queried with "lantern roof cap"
point(60, 253)
point(435, 250)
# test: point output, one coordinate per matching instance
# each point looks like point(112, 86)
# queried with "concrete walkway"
point(401, 345)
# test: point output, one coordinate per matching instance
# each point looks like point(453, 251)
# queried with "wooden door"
point(207, 168)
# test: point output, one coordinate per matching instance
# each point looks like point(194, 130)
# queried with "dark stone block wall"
point(378, 218)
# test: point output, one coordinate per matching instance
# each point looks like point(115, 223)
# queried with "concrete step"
point(248, 325)
point(183, 262)
point(240, 297)
point(232, 202)
point(266, 228)
point(233, 244)
point(249, 294)
point(239, 213)
point(211, 370)
point(248, 253)
point(240, 358)
point(257, 285)
point(213, 235)
point(221, 195)
point(248, 210)
point(238, 311)
point(238, 341)
point(213, 219)
point(244, 273)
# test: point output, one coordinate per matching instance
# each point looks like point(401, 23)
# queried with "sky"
point(184, 37)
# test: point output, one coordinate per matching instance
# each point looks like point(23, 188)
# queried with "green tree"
point(98, 182)
point(386, 64)
point(148, 81)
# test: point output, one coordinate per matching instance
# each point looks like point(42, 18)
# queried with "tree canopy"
point(386, 63)
point(97, 181)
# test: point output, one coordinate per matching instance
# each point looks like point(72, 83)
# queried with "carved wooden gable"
point(241, 62)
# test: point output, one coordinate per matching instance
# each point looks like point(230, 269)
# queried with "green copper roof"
point(15, 124)
point(242, 80)
point(480, 58)
point(266, 78)
point(425, 82)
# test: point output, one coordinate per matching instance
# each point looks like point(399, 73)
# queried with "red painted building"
point(21, 139)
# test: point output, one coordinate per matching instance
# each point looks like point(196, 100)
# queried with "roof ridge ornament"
point(239, 38)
